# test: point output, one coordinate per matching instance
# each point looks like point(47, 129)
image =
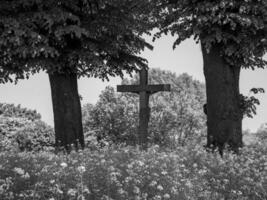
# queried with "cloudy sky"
point(35, 92)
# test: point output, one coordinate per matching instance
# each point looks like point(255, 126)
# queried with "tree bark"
point(224, 116)
point(67, 110)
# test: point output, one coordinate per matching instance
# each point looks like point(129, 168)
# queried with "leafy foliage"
point(22, 130)
point(176, 117)
point(240, 27)
point(10, 110)
point(248, 103)
point(261, 134)
point(185, 173)
point(87, 37)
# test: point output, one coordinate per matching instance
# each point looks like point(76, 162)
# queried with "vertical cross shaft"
point(144, 110)
point(144, 90)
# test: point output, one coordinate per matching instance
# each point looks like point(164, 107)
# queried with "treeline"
point(10, 110)
point(176, 117)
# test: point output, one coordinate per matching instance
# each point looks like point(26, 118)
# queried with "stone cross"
point(144, 90)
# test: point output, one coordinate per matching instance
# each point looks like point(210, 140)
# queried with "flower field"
point(128, 173)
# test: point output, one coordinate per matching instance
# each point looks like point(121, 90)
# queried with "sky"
point(35, 93)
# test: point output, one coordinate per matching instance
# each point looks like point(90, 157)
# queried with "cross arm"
point(129, 88)
point(147, 88)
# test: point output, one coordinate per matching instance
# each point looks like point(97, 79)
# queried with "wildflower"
point(159, 187)
point(63, 164)
point(86, 190)
point(81, 169)
point(136, 190)
point(157, 197)
point(121, 191)
point(140, 163)
point(26, 175)
point(153, 183)
point(19, 171)
point(164, 173)
point(144, 195)
point(174, 190)
point(71, 192)
point(166, 196)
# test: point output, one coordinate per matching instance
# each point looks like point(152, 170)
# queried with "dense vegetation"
point(70, 39)
point(187, 173)
point(21, 129)
point(10, 110)
point(117, 172)
point(232, 35)
point(177, 117)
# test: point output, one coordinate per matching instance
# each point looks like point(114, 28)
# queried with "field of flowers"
point(128, 173)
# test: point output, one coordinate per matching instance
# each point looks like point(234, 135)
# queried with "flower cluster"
point(128, 173)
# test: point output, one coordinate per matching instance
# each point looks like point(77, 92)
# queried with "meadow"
point(120, 173)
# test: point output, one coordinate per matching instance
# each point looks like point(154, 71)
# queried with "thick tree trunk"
point(67, 110)
point(224, 116)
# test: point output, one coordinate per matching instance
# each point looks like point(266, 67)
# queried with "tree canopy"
point(176, 117)
point(239, 26)
point(86, 37)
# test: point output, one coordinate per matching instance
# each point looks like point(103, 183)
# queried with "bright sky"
point(35, 92)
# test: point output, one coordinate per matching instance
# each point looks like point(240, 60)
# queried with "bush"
point(20, 134)
point(176, 117)
point(10, 110)
point(187, 173)
point(21, 129)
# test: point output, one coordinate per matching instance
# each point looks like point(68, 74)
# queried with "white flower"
point(26, 175)
point(81, 169)
point(166, 196)
point(164, 173)
point(19, 171)
point(140, 163)
point(63, 164)
point(153, 183)
point(159, 187)
point(136, 190)
point(71, 192)
point(157, 197)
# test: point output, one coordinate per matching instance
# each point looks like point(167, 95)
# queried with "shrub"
point(176, 117)
point(21, 129)
point(20, 134)
point(10, 110)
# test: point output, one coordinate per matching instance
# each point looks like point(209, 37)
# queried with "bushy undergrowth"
point(22, 134)
point(128, 173)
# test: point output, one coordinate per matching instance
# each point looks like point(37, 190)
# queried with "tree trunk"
point(67, 110)
point(224, 116)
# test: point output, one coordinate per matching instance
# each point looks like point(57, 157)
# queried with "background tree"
point(176, 117)
point(232, 36)
point(70, 39)
point(261, 134)
point(21, 129)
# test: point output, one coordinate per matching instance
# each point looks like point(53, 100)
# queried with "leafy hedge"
point(10, 110)
point(22, 130)
point(20, 134)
